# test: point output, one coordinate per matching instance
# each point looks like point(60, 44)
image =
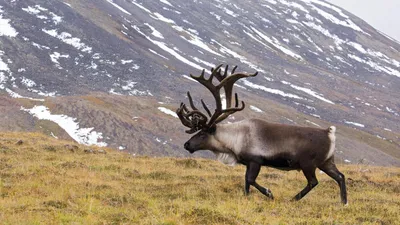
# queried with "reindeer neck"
point(230, 137)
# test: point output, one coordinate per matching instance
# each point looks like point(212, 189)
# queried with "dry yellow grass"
point(42, 182)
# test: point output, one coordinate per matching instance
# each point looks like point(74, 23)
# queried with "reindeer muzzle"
point(187, 147)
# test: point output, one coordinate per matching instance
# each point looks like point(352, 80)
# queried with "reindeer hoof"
point(270, 196)
point(268, 193)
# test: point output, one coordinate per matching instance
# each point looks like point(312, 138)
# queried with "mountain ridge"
point(318, 65)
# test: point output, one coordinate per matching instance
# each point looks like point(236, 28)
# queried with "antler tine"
point(181, 114)
point(226, 71)
point(216, 68)
point(227, 83)
point(233, 70)
point(206, 108)
point(199, 116)
point(194, 119)
point(209, 85)
point(201, 78)
point(191, 101)
point(236, 100)
point(202, 73)
point(229, 111)
point(236, 108)
point(185, 108)
point(215, 72)
point(220, 76)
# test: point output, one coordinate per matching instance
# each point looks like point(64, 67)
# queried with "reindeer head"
point(198, 121)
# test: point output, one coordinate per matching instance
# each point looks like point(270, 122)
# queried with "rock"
point(101, 151)
point(50, 148)
point(72, 148)
point(88, 151)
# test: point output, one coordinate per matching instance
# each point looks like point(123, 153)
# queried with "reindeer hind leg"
point(312, 181)
point(330, 168)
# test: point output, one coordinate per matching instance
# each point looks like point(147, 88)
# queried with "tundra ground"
point(45, 181)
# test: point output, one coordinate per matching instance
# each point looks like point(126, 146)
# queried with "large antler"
point(195, 119)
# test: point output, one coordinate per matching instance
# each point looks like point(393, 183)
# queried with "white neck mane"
point(226, 158)
point(230, 140)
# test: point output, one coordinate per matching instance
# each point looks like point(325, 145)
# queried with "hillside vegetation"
point(46, 181)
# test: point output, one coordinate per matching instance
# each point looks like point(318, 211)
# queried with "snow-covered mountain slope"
point(81, 64)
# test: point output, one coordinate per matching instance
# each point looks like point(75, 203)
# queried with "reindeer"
point(254, 142)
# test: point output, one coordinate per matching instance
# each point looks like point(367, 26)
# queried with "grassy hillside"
point(43, 181)
point(138, 125)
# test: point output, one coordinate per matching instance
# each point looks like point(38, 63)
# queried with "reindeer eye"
point(203, 135)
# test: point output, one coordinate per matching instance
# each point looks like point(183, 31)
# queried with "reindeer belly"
point(280, 161)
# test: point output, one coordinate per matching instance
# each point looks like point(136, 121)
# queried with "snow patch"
point(123, 62)
point(166, 2)
point(31, 10)
point(376, 66)
point(195, 40)
point(5, 28)
point(56, 19)
point(189, 78)
point(171, 51)
point(270, 90)
point(277, 44)
point(55, 57)
point(294, 5)
point(118, 7)
point(255, 109)
point(230, 12)
point(3, 65)
point(28, 82)
point(326, 32)
point(156, 53)
point(86, 136)
point(346, 22)
point(155, 32)
point(308, 91)
point(354, 123)
point(130, 88)
point(218, 17)
point(38, 9)
point(160, 17)
point(242, 59)
point(315, 124)
point(41, 47)
point(16, 95)
point(68, 39)
point(211, 65)
point(168, 111)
